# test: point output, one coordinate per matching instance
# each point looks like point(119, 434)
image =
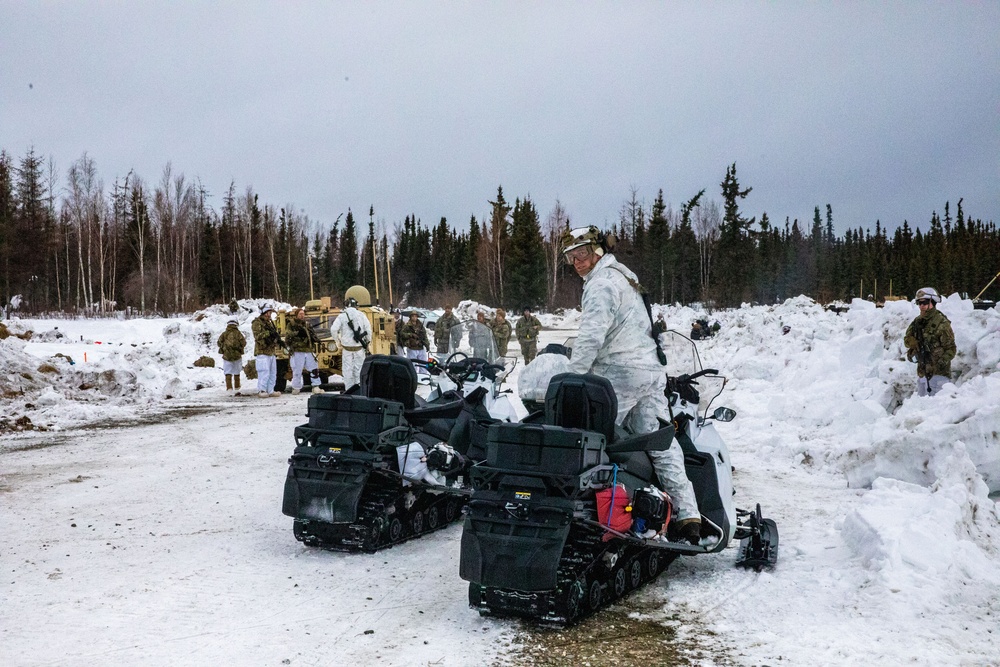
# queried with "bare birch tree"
point(555, 225)
point(707, 220)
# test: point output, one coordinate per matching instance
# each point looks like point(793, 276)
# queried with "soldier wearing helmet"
point(615, 341)
point(930, 342)
point(352, 332)
point(267, 342)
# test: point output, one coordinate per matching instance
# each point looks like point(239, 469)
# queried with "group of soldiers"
point(412, 335)
point(351, 331)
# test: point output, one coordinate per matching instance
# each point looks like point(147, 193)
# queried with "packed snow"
point(141, 507)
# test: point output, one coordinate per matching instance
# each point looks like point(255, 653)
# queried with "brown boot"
point(689, 529)
point(236, 383)
point(229, 383)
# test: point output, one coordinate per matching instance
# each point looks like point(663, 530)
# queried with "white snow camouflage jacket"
point(615, 333)
point(343, 334)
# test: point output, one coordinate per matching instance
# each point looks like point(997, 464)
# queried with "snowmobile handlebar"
point(686, 378)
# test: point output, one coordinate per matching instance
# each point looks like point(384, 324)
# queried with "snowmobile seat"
point(632, 452)
point(389, 377)
point(437, 418)
point(586, 402)
point(557, 348)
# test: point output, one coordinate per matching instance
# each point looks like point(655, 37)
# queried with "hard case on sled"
point(357, 414)
point(543, 448)
point(336, 452)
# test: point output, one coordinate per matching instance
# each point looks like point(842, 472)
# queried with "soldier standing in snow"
point(479, 337)
point(444, 332)
point(527, 334)
point(353, 332)
point(501, 331)
point(414, 338)
point(232, 344)
point(615, 342)
point(930, 342)
point(301, 341)
point(266, 342)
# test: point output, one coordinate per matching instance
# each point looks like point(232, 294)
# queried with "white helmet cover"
point(927, 293)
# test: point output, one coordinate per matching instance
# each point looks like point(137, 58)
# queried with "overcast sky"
point(883, 110)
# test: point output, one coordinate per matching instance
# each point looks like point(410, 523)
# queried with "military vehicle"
point(320, 314)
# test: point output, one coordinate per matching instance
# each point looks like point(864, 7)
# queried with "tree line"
point(69, 243)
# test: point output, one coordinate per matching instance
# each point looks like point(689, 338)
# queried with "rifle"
point(923, 356)
point(360, 336)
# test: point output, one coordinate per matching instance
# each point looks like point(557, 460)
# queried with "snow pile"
point(844, 380)
point(110, 369)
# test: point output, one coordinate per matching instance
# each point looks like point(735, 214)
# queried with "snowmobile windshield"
point(474, 339)
point(683, 359)
point(681, 352)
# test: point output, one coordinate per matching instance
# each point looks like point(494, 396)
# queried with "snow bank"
point(76, 372)
point(844, 380)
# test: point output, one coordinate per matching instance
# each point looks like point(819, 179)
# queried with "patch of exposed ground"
point(626, 633)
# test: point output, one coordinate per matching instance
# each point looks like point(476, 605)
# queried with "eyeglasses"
point(924, 302)
point(578, 254)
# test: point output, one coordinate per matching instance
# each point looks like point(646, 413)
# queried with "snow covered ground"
point(143, 524)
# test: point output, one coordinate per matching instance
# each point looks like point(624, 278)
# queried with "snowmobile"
point(378, 465)
point(473, 361)
point(565, 516)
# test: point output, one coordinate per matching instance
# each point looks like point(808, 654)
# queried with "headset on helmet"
point(350, 302)
point(927, 293)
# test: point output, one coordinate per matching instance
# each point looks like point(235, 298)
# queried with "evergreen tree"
point(473, 273)
point(8, 213)
point(29, 242)
point(525, 284)
point(685, 268)
point(348, 256)
point(735, 248)
point(659, 256)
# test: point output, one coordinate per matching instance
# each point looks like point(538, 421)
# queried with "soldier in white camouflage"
point(615, 342)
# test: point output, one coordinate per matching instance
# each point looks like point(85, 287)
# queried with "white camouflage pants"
point(300, 361)
point(420, 355)
point(640, 402)
point(929, 388)
point(351, 367)
point(267, 372)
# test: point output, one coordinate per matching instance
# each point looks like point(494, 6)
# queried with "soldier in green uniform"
point(501, 331)
point(930, 342)
point(527, 334)
point(413, 335)
point(444, 332)
point(301, 342)
point(266, 342)
point(232, 344)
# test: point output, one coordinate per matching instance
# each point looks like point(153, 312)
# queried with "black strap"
point(649, 312)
